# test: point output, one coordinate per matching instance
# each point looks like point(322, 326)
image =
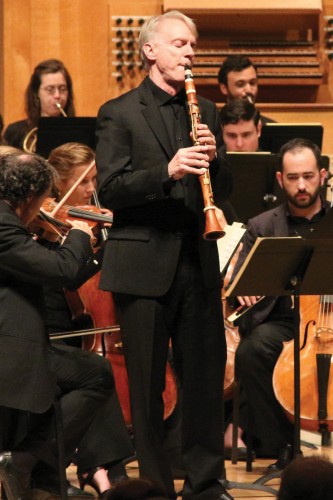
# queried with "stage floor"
point(235, 473)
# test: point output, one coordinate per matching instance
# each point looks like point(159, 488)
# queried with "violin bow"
point(70, 191)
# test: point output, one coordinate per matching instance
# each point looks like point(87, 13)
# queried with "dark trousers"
point(92, 418)
point(256, 357)
point(191, 316)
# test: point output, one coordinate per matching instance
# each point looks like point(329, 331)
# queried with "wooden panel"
point(77, 32)
point(243, 5)
point(17, 63)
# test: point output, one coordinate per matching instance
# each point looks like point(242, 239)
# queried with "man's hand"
point(248, 301)
point(206, 137)
point(192, 160)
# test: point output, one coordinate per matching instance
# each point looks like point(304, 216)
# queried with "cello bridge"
point(324, 333)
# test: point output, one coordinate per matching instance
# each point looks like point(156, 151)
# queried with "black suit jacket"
point(27, 380)
point(271, 223)
point(133, 152)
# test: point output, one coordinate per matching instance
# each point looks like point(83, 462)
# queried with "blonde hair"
point(150, 27)
point(9, 150)
point(68, 156)
point(65, 158)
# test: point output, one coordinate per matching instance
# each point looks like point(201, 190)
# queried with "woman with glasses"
point(49, 93)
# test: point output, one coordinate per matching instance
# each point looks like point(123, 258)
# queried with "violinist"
point(49, 93)
point(106, 442)
point(270, 323)
point(27, 376)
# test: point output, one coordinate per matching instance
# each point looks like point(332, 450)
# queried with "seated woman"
point(106, 445)
point(49, 93)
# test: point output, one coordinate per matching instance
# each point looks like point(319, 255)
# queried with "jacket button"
point(179, 235)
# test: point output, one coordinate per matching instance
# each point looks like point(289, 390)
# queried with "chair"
point(7, 494)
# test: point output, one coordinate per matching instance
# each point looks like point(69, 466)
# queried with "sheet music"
point(227, 245)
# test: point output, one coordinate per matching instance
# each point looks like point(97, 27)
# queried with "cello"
point(316, 388)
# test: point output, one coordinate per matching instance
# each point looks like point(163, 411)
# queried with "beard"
point(306, 202)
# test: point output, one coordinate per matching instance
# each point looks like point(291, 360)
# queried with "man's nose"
point(190, 50)
point(239, 143)
point(301, 184)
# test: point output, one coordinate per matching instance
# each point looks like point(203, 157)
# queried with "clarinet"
point(213, 229)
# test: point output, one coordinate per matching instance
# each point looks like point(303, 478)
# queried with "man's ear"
point(323, 175)
point(259, 128)
point(279, 178)
point(223, 89)
point(149, 51)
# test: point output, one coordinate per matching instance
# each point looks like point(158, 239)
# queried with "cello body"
point(316, 392)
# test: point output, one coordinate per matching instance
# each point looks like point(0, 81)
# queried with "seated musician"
point(107, 437)
point(238, 79)
point(27, 375)
point(270, 323)
point(241, 126)
point(49, 93)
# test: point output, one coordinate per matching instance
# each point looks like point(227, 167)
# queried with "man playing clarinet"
point(164, 276)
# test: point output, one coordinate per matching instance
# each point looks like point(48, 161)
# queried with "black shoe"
point(89, 479)
point(48, 488)
point(14, 480)
point(74, 492)
point(284, 459)
point(104, 495)
point(117, 473)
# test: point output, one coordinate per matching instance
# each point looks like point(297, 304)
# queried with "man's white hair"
point(150, 27)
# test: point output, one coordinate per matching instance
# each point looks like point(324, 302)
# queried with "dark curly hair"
point(239, 109)
point(233, 63)
point(22, 176)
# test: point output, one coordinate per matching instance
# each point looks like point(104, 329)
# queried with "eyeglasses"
point(51, 89)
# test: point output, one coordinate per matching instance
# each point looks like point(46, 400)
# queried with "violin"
point(53, 220)
point(316, 387)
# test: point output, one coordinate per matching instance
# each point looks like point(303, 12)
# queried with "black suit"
point(165, 279)
point(264, 329)
point(31, 371)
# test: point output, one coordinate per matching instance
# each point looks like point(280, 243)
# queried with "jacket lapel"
point(152, 115)
point(280, 223)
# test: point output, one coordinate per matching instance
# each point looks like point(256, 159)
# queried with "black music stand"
point(274, 135)
point(255, 186)
point(298, 270)
point(55, 131)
